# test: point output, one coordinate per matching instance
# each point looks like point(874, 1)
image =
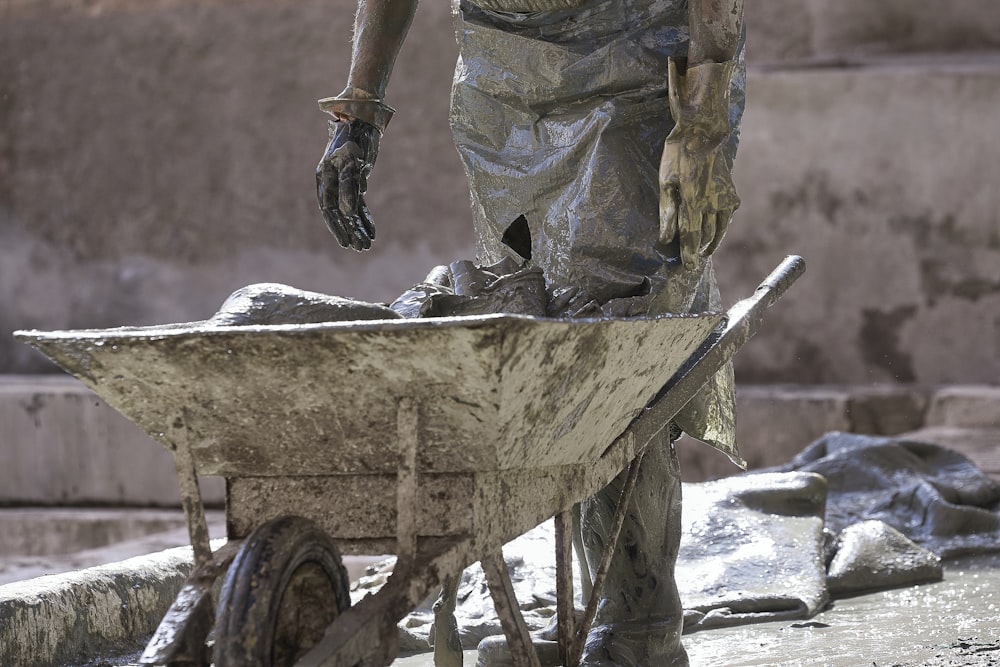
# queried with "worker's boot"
point(639, 620)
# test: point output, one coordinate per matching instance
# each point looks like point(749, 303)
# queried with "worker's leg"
point(640, 618)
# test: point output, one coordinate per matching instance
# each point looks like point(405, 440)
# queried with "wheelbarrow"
point(438, 440)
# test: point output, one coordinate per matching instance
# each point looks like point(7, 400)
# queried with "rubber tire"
point(289, 556)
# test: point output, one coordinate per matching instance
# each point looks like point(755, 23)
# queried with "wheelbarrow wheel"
point(285, 586)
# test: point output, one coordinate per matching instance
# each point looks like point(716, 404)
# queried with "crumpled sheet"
point(752, 550)
point(934, 496)
point(463, 288)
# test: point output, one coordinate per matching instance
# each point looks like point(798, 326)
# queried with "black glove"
point(342, 180)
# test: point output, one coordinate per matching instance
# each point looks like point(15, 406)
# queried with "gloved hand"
point(342, 180)
point(697, 196)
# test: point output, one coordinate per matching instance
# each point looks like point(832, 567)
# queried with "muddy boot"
point(639, 620)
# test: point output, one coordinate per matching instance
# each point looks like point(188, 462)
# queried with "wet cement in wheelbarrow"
point(948, 623)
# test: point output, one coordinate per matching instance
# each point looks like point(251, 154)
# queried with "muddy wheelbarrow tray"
point(438, 440)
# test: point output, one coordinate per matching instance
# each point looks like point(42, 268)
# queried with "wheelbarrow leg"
point(514, 628)
point(444, 633)
point(194, 510)
point(407, 481)
point(586, 576)
point(447, 647)
point(564, 525)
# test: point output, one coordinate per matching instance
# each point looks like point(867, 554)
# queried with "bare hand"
point(342, 180)
point(697, 195)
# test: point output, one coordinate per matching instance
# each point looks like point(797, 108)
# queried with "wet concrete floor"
point(950, 623)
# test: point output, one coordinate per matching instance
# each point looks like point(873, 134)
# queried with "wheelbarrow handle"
point(743, 320)
point(781, 279)
point(746, 316)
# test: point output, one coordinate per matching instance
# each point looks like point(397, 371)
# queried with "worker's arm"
point(697, 196)
point(715, 30)
point(360, 118)
point(379, 30)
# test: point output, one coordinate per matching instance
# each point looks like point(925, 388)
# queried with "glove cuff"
point(701, 95)
point(357, 104)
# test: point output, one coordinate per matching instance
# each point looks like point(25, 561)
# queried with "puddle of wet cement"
point(948, 623)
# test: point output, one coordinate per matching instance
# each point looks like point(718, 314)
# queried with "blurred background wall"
point(155, 155)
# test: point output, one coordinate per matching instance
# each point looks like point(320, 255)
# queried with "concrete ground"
point(945, 624)
point(952, 622)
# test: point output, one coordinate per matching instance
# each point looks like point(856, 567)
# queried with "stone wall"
point(156, 155)
point(839, 31)
point(880, 177)
point(869, 147)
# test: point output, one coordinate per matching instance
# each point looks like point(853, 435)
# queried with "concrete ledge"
point(966, 407)
point(775, 422)
point(44, 532)
point(71, 618)
point(64, 445)
point(790, 30)
point(48, 541)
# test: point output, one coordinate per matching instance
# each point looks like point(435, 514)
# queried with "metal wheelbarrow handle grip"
point(781, 278)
